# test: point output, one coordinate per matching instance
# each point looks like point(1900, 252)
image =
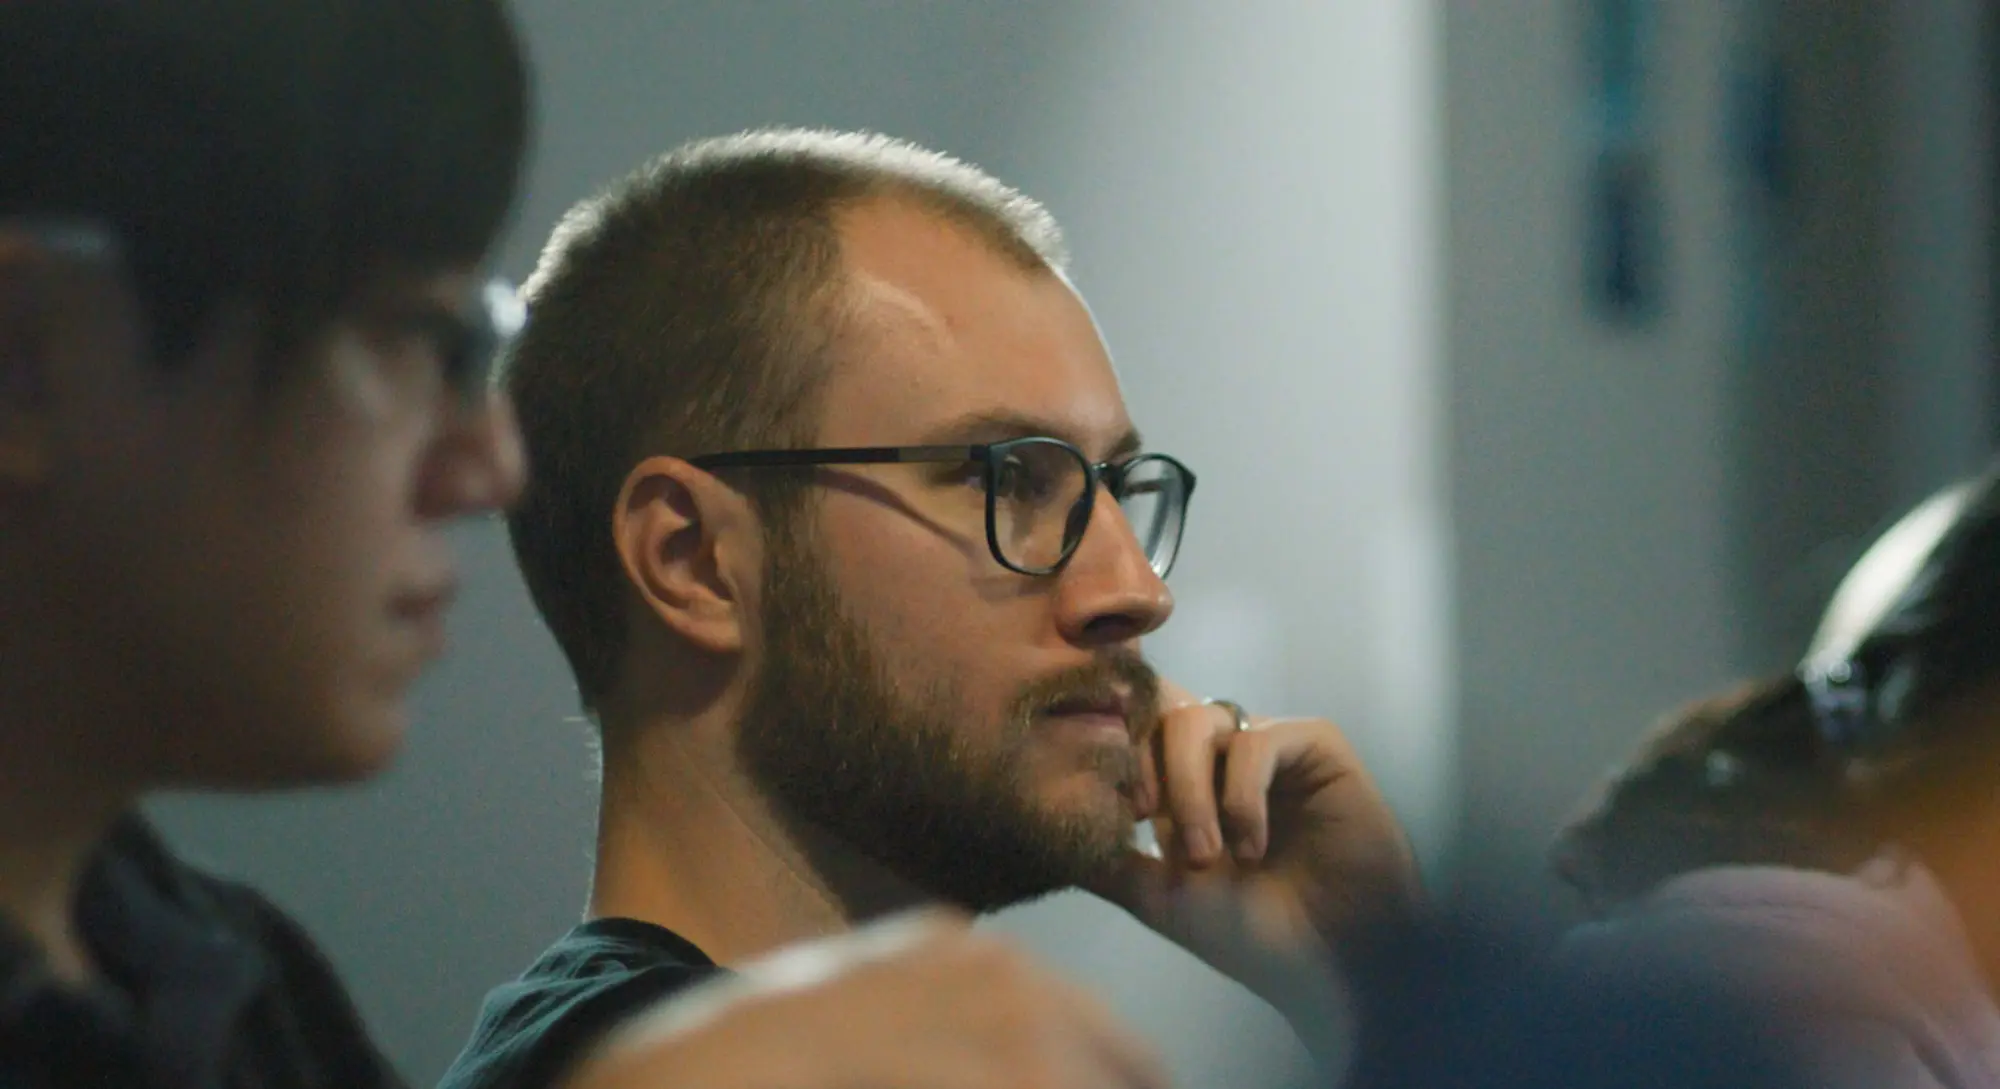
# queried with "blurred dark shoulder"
point(214, 985)
point(1467, 1001)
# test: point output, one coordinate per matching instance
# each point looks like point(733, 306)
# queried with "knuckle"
point(1324, 731)
point(1242, 804)
point(1191, 814)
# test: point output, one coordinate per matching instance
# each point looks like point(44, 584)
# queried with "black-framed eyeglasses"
point(470, 341)
point(1040, 493)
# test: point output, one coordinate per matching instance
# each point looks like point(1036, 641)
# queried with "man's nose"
point(479, 464)
point(1109, 593)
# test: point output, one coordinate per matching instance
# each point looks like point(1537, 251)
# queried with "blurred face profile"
point(971, 727)
point(250, 550)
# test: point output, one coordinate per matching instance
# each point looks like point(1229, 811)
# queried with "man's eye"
point(434, 343)
point(1018, 481)
point(969, 474)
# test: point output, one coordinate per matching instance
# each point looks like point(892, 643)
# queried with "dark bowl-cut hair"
point(271, 152)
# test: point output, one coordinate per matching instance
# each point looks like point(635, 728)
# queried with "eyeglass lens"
point(1040, 509)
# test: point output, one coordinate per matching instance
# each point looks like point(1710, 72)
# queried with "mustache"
point(1114, 675)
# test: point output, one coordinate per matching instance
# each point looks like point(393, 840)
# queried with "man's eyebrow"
point(985, 427)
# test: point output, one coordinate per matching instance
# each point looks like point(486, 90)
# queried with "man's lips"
point(1096, 717)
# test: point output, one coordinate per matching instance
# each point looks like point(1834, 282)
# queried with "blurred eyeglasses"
point(470, 341)
point(1040, 493)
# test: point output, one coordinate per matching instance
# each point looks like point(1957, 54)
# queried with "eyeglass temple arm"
point(851, 455)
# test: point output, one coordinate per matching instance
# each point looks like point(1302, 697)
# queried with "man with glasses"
point(838, 515)
point(244, 362)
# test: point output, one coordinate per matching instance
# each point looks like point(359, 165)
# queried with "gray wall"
point(1870, 382)
point(1940, 260)
point(1588, 464)
point(1252, 195)
point(1642, 516)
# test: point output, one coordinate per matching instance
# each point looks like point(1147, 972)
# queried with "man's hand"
point(1274, 836)
point(917, 1003)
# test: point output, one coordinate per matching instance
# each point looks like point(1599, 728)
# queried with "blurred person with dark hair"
point(837, 512)
point(244, 361)
point(1827, 843)
point(242, 391)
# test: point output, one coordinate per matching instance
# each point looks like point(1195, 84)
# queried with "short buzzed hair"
point(692, 309)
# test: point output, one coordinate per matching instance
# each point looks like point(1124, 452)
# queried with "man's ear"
point(25, 345)
point(692, 548)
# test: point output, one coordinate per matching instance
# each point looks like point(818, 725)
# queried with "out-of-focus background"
point(1544, 362)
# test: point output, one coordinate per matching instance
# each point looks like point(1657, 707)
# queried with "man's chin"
point(354, 752)
point(1087, 796)
point(1098, 828)
point(1067, 838)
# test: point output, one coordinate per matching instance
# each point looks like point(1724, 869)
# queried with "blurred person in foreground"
point(243, 389)
point(1465, 1002)
point(836, 509)
point(1826, 844)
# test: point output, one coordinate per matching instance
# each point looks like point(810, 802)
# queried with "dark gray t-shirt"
point(533, 1030)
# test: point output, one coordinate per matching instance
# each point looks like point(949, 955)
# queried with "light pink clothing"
point(1872, 969)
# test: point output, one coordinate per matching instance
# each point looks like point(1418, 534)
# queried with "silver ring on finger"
point(1235, 709)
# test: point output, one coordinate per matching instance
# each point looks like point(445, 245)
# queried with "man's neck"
point(53, 818)
point(685, 841)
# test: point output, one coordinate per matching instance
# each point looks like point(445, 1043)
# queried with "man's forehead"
point(943, 334)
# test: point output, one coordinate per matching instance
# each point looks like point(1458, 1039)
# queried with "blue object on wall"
point(1762, 172)
point(1623, 239)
